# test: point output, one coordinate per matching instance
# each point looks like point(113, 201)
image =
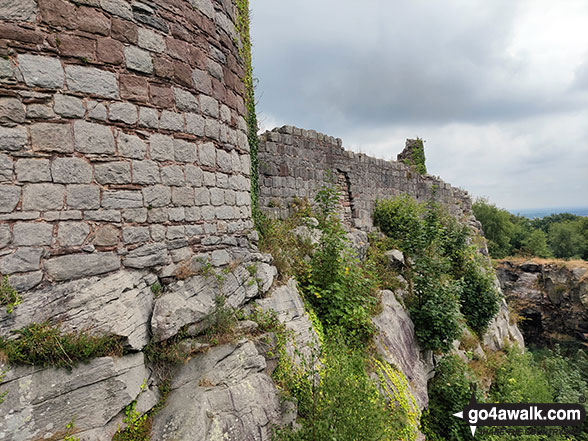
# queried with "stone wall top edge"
point(361, 157)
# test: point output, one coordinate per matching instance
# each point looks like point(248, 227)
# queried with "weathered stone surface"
point(550, 298)
point(151, 40)
point(26, 281)
point(72, 233)
point(13, 139)
point(161, 147)
point(147, 256)
point(71, 171)
point(287, 303)
point(138, 59)
point(119, 303)
point(397, 344)
point(501, 332)
point(21, 10)
point(185, 151)
point(157, 196)
point(185, 101)
point(93, 138)
point(6, 167)
point(33, 170)
point(83, 197)
point(131, 146)
point(41, 71)
point(11, 111)
point(21, 260)
point(75, 266)
point(221, 394)
point(92, 81)
point(43, 197)
point(113, 173)
point(32, 233)
point(52, 137)
point(69, 106)
point(171, 121)
point(124, 112)
point(9, 197)
point(122, 199)
point(145, 172)
point(172, 175)
point(44, 401)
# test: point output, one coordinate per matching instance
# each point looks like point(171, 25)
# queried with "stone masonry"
point(122, 137)
point(295, 163)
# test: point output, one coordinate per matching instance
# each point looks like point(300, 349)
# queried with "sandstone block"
point(145, 172)
point(194, 175)
point(113, 173)
point(157, 196)
point(43, 197)
point(118, 7)
point(105, 236)
point(195, 124)
point(11, 111)
point(147, 256)
point(185, 151)
point(83, 197)
point(71, 234)
point(32, 233)
point(161, 147)
point(121, 199)
point(171, 121)
point(148, 117)
point(131, 146)
point(13, 139)
point(209, 106)
point(172, 175)
point(41, 71)
point(18, 10)
point(68, 106)
point(92, 81)
point(22, 260)
point(71, 171)
point(185, 101)
point(123, 112)
point(93, 138)
point(33, 170)
point(151, 40)
point(133, 235)
point(183, 196)
point(138, 59)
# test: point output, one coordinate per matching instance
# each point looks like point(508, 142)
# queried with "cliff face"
point(550, 296)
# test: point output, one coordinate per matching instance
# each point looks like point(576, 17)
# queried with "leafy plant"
point(45, 345)
point(9, 297)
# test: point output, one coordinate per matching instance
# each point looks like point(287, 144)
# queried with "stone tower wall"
point(122, 136)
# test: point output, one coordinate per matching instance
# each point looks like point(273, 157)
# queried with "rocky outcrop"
point(223, 394)
point(119, 304)
point(39, 403)
point(551, 296)
point(503, 330)
point(190, 301)
point(396, 342)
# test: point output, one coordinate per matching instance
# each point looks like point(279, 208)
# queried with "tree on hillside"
point(497, 227)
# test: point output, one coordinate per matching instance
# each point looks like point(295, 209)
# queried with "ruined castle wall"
point(122, 136)
point(296, 163)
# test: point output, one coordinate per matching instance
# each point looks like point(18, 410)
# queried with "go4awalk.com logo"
point(521, 414)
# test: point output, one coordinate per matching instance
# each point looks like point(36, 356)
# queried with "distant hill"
point(542, 212)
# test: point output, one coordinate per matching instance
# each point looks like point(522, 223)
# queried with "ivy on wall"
point(243, 26)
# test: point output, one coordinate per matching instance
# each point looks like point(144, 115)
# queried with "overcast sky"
point(498, 89)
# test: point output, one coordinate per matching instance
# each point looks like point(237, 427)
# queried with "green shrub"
point(9, 297)
point(341, 290)
point(479, 297)
point(449, 393)
point(520, 380)
point(345, 405)
point(449, 277)
point(45, 345)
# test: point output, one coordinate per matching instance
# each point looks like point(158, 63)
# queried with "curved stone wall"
point(122, 137)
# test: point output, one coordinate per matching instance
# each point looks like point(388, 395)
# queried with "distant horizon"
point(542, 211)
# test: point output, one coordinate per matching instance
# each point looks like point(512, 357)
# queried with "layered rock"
point(551, 296)
point(39, 403)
